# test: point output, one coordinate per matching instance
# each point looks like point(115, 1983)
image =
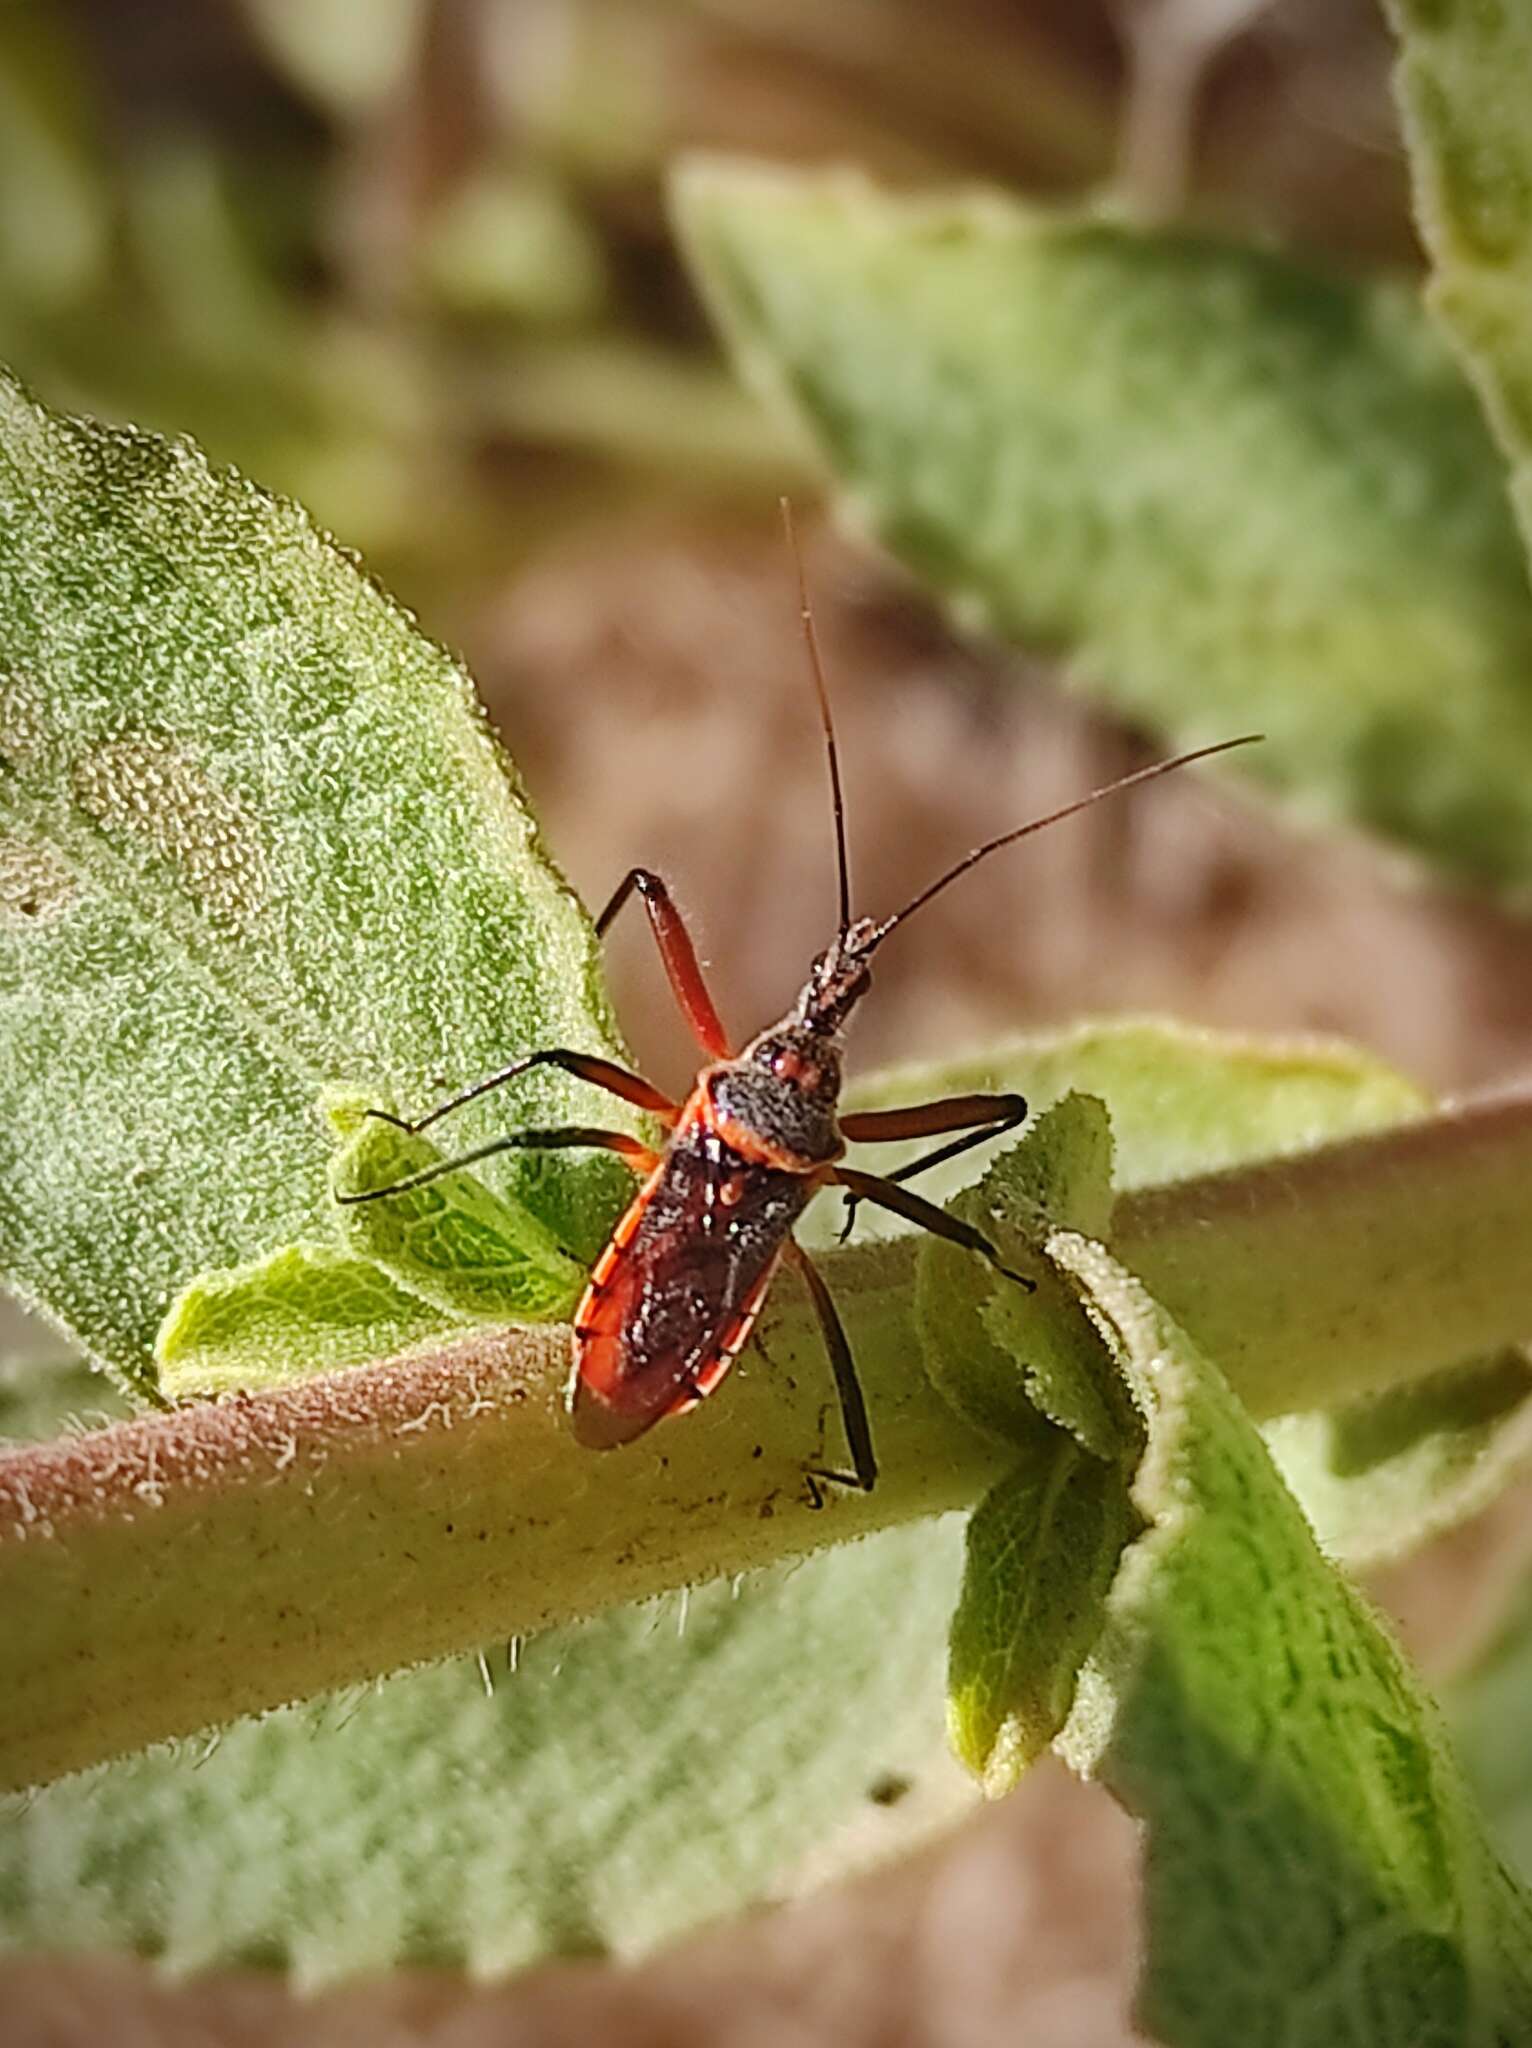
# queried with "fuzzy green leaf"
point(1315, 1866)
point(1027, 1365)
point(1377, 1476)
point(419, 1265)
point(1465, 82)
point(1044, 1544)
point(1235, 492)
point(1182, 1100)
point(453, 1243)
point(632, 1779)
point(1060, 1173)
point(40, 1399)
point(268, 1323)
point(1043, 1548)
point(1383, 1475)
point(255, 839)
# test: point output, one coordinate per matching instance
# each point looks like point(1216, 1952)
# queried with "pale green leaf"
point(1315, 1867)
point(42, 1398)
point(1182, 1100)
point(1043, 1548)
point(1060, 1173)
point(255, 840)
point(1028, 1366)
point(1237, 493)
point(418, 1265)
point(1465, 82)
point(278, 1318)
point(453, 1243)
point(1383, 1475)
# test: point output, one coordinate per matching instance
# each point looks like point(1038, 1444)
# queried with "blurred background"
point(407, 260)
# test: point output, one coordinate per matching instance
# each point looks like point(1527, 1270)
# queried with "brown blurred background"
point(407, 259)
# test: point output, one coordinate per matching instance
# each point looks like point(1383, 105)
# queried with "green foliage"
point(1183, 1099)
point(255, 839)
point(453, 1242)
point(41, 1399)
point(1380, 1476)
point(1236, 492)
point(297, 1311)
point(1313, 1849)
point(1315, 1866)
point(1060, 1173)
point(1044, 1546)
point(426, 1263)
point(1045, 1543)
point(1486, 1705)
point(1183, 1102)
point(1463, 82)
point(235, 1856)
point(256, 847)
point(1312, 1846)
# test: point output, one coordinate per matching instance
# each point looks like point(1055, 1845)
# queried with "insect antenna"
point(1081, 803)
point(816, 667)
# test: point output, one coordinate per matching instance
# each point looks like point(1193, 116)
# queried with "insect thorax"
point(776, 1104)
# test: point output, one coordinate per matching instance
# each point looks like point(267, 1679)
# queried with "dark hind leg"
point(887, 1194)
point(853, 1407)
point(585, 1066)
point(555, 1140)
point(994, 1114)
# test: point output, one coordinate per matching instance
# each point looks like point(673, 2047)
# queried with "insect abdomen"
point(675, 1293)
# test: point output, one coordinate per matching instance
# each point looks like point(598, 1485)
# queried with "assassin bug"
point(673, 1298)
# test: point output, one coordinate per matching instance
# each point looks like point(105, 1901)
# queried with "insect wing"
point(674, 1295)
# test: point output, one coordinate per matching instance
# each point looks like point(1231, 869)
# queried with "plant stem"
point(1352, 1268)
point(172, 1572)
point(175, 1571)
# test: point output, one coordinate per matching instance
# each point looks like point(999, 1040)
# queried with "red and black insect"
point(674, 1296)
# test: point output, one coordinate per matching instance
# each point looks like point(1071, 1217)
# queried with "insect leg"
point(930, 1119)
point(565, 1135)
point(585, 1066)
point(995, 1113)
point(887, 1194)
point(677, 952)
point(853, 1407)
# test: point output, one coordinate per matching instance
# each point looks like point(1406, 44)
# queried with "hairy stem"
point(1352, 1268)
point(172, 1572)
